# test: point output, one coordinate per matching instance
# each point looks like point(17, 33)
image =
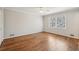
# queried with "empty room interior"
point(39, 29)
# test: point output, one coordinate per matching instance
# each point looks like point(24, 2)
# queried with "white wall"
point(72, 23)
point(19, 23)
point(1, 25)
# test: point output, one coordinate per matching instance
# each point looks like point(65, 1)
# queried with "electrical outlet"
point(11, 34)
point(71, 34)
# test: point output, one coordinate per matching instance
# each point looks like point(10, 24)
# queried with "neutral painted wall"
point(72, 23)
point(19, 23)
point(1, 26)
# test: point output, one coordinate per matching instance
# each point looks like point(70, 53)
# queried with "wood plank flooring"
point(42, 41)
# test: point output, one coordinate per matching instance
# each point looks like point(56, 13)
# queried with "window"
point(58, 22)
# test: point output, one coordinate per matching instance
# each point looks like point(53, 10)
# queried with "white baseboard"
point(1, 41)
point(20, 35)
point(76, 37)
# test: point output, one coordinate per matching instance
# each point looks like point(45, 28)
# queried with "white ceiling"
point(45, 10)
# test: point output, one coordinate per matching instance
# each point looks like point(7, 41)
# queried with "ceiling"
point(40, 10)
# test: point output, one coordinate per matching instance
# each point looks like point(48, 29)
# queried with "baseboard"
point(1, 41)
point(63, 35)
point(21, 35)
point(40, 32)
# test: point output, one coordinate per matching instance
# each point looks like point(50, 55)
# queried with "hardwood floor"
point(40, 42)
